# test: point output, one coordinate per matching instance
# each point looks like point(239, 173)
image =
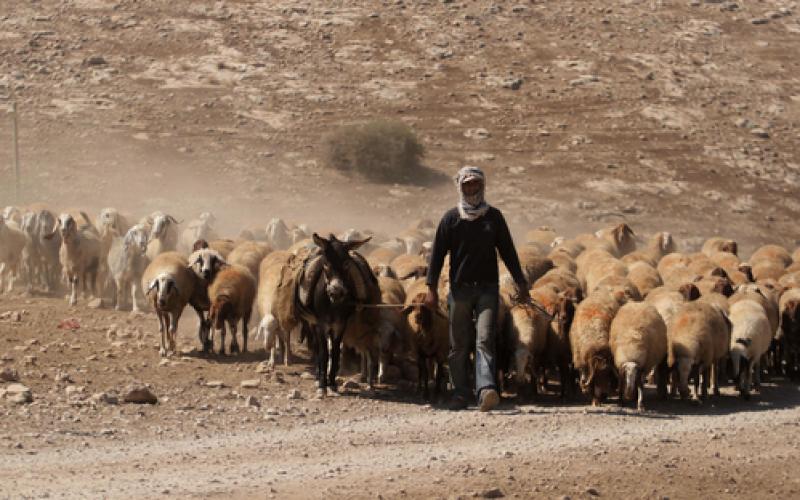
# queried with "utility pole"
point(15, 138)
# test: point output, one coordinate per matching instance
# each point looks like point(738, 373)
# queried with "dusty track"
point(204, 441)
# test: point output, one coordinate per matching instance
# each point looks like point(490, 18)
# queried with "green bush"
point(380, 150)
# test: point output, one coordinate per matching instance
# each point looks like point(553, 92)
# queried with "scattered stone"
point(477, 133)
point(263, 367)
point(593, 492)
point(759, 20)
point(584, 80)
point(493, 493)
point(104, 397)
point(95, 61)
point(252, 401)
point(215, 384)
point(512, 83)
point(18, 393)
point(139, 394)
point(63, 377)
point(278, 377)
point(306, 376)
point(295, 394)
point(9, 375)
point(250, 384)
point(760, 133)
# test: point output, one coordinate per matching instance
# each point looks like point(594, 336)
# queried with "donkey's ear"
point(356, 244)
point(319, 240)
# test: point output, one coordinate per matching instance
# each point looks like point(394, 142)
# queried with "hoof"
point(320, 394)
point(162, 352)
point(332, 392)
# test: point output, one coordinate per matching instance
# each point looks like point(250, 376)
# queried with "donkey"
point(333, 283)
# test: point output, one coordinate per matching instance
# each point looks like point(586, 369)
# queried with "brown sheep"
point(699, 336)
point(768, 269)
point(671, 261)
point(429, 336)
point(275, 333)
point(564, 282)
point(542, 235)
point(573, 248)
point(231, 295)
point(249, 254)
point(771, 253)
point(716, 244)
point(768, 299)
point(223, 247)
point(790, 280)
point(381, 256)
point(659, 245)
point(563, 260)
point(409, 266)
point(644, 277)
point(170, 285)
point(526, 333)
point(591, 353)
point(638, 340)
point(621, 237)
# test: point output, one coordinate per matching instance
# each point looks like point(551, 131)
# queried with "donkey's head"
point(337, 266)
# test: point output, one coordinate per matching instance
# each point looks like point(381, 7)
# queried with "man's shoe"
point(457, 404)
point(489, 400)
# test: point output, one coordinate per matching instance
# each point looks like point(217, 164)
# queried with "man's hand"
point(432, 299)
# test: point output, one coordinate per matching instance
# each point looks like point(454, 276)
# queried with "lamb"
point(621, 238)
point(271, 272)
point(127, 261)
point(638, 341)
point(699, 336)
point(231, 296)
point(12, 243)
point(79, 253)
point(163, 236)
point(170, 285)
point(249, 254)
point(750, 339)
point(591, 353)
point(429, 336)
point(716, 244)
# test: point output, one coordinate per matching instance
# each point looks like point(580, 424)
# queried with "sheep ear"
point(153, 286)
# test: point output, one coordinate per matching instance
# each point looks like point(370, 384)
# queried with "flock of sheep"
point(610, 309)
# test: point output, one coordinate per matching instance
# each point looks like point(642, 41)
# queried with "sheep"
point(768, 269)
point(249, 254)
point(672, 261)
point(772, 253)
point(48, 266)
point(573, 248)
point(271, 272)
point(12, 243)
point(562, 259)
point(591, 353)
point(542, 235)
point(392, 335)
point(715, 284)
point(789, 335)
point(764, 296)
point(558, 352)
point(638, 341)
point(621, 238)
point(667, 302)
point(598, 271)
point(644, 277)
point(592, 241)
point(413, 240)
point(79, 253)
point(197, 229)
point(408, 266)
point(526, 332)
point(231, 296)
point(127, 261)
point(163, 236)
point(381, 256)
point(222, 246)
point(699, 336)
point(790, 280)
point(428, 335)
point(110, 224)
point(619, 284)
point(750, 339)
point(564, 282)
point(278, 234)
point(12, 214)
point(716, 244)
point(170, 285)
point(206, 263)
point(533, 266)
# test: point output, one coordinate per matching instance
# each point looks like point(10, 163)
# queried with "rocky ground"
point(227, 427)
point(670, 115)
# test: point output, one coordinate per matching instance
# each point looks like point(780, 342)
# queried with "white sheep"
point(12, 243)
point(127, 260)
point(163, 235)
point(750, 339)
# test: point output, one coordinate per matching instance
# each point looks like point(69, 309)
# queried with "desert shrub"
point(380, 150)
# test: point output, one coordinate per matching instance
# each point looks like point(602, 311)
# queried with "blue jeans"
point(473, 319)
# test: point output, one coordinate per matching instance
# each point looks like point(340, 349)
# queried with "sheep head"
point(602, 376)
point(163, 288)
point(206, 263)
point(629, 374)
